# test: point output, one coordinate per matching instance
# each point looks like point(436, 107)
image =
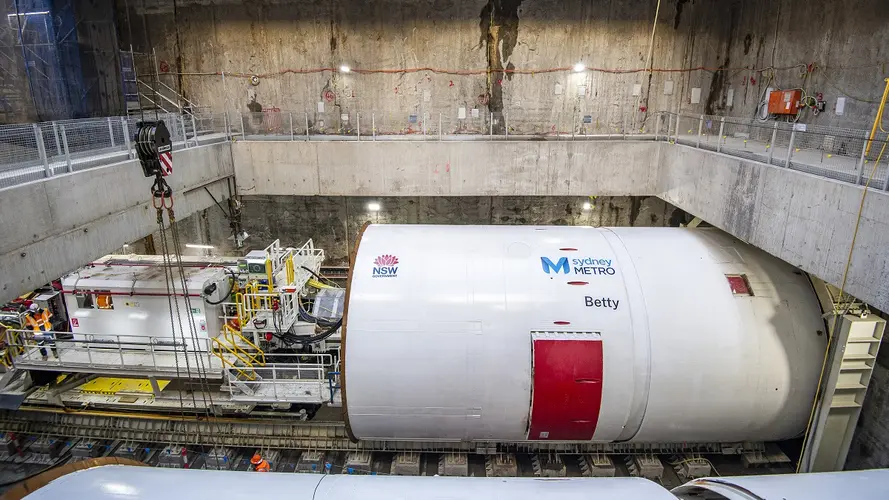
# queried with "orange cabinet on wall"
point(784, 102)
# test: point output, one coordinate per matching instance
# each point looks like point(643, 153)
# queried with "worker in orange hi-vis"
point(260, 464)
point(39, 320)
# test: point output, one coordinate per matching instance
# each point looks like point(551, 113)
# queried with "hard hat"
point(33, 306)
point(256, 459)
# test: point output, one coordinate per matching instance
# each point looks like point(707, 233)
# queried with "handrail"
point(233, 336)
point(193, 104)
point(161, 95)
point(143, 96)
point(230, 343)
point(219, 347)
point(92, 350)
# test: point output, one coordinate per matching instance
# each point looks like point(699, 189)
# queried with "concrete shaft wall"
point(477, 45)
point(64, 222)
point(333, 222)
point(838, 48)
point(474, 168)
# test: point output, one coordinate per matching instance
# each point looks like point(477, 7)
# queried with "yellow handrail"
point(233, 336)
point(291, 274)
point(13, 346)
point(251, 375)
point(229, 342)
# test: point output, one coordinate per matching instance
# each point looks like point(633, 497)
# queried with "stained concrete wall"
point(844, 44)
point(99, 58)
point(460, 168)
point(68, 220)
point(333, 222)
point(479, 44)
point(469, 49)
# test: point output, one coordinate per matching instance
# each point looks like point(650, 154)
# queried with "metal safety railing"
point(35, 151)
point(838, 153)
point(119, 353)
point(300, 378)
point(833, 152)
point(460, 124)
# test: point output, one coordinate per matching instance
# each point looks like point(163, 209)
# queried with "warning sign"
point(75, 322)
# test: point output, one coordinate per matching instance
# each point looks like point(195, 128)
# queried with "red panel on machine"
point(567, 389)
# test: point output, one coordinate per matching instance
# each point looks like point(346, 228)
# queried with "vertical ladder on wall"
point(856, 345)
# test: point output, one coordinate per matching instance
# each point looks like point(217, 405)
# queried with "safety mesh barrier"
point(31, 152)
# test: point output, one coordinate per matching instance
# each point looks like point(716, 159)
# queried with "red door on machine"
point(567, 386)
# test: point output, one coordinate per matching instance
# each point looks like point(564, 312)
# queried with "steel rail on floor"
point(288, 433)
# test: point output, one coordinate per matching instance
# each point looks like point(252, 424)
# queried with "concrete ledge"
point(52, 226)
point(803, 219)
point(460, 168)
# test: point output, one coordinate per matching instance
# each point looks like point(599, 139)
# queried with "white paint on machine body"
point(140, 303)
point(443, 322)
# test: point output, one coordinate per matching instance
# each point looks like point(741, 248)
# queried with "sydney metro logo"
point(586, 265)
point(385, 266)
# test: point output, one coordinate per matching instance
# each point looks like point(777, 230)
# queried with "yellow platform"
point(109, 386)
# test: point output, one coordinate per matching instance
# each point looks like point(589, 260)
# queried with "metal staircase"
point(145, 90)
point(267, 303)
point(166, 98)
point(239, 355)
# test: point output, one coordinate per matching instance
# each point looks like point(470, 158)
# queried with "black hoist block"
point(154, 148)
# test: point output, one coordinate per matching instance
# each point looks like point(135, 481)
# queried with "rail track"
point(290, 433)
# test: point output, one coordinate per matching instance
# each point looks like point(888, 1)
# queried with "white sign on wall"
point(841, 106)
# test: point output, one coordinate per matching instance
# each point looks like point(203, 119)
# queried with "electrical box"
point(253, 264)
point(784, 102)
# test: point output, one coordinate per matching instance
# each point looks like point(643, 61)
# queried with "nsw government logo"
point(385, 266)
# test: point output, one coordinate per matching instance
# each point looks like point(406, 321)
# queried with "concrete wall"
point(66, 221)
point(468, 50)
point(99, 59)
point(333, 221)
point(803, 219)
point(464, 168)
point(847, 44)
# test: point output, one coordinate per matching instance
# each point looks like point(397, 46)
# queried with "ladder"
point(855, 346)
